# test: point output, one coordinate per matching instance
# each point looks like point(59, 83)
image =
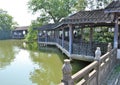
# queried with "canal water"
point(21, 66)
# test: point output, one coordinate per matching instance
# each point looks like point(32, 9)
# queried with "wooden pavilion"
point(20, 32)
point(64, 34)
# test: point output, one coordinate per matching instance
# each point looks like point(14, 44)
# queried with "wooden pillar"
point(91, 36)
point(116, 34)
point(81, 35)
point(53, 34)
point(70, 39)
point(46, 37)
point(63, 36)
point(56, 35)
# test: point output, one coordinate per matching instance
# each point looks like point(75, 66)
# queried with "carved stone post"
point(109, 47)
point(97, 58)
point(97, 53)
point(67, 72)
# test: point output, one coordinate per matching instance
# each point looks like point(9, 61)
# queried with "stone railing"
point(94, 73)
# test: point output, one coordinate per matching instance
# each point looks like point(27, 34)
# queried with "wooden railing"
point(82, 48)
point(87, 48)
point(66, 45)
point(18, 36)
point(50, 39)
point(41, 39)
point(79, 48)
point(94, 73)
point(60, 42)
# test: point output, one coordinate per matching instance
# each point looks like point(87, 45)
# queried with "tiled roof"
point(22, 28)
point(84, 17)
point(113, 7)
point(47, 27)
point(94, 16)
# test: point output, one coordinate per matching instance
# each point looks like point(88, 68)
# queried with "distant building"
point(20, 32)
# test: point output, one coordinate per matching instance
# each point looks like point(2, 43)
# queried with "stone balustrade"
point(94, 73)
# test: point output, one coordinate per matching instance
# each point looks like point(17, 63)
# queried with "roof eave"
point(112, 11)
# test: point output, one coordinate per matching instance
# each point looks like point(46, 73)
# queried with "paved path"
point(118, 53)
point(114, 77)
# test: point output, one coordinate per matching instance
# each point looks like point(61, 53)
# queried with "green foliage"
point(81, 5)
point(103, 36)
point(32, 46)
point(32, 32)
point(6, 21)
point(102, 3)
point(54, 9)
point(6, 25)
point(97, 4)
point(91, 4)
point(32, 35)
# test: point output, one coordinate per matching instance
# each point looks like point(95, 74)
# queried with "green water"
point(20, 66)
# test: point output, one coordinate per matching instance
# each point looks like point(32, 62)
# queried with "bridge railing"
point(80, 48)
point(94, 73)
point(51, 39)
point(66, 45)
point(60, 42)
point(41, 39)
point(87, 48)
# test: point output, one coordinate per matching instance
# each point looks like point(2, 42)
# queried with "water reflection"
point(21, 66)
point(7, 53)
point(49, 71)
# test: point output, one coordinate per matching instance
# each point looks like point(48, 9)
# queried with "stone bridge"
point(94, 73)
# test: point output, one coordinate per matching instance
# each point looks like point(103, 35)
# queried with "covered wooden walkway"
point(68, 35)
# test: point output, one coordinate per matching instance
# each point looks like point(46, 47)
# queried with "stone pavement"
point(118, 54)
point(114, 77)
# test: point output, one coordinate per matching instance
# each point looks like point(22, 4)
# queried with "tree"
point(103, 35)
point(97, 4)
point(81, 5)
point(54, 9)
point(32, 32)
point(6, 25)
point(6, 21)
point(102, 3)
